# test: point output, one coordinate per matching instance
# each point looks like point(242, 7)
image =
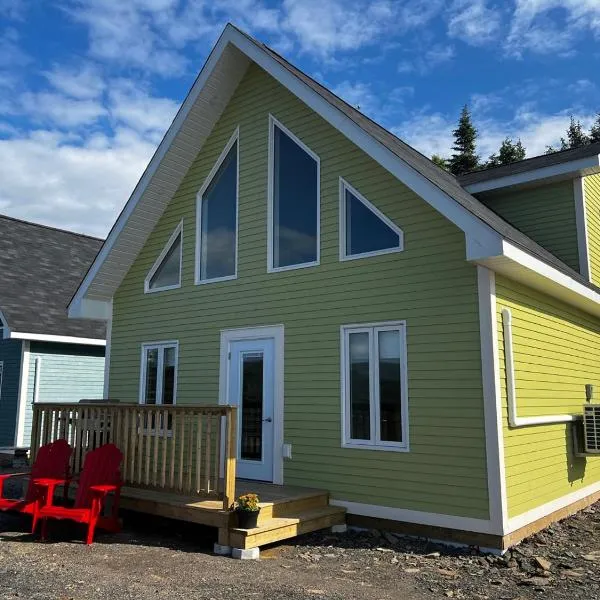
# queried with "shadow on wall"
point(576, 465)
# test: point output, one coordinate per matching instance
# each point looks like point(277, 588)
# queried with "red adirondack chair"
point(51, 462)
point(99, 477)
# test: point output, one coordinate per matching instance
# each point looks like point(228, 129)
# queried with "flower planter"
point(247, 519)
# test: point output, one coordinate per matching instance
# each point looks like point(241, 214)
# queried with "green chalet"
point(300, 304)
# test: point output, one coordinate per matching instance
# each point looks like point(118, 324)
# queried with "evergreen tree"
point(576, 137)
point(440, 161)
point(509, 152)
point(595, 130)
point(464, 158)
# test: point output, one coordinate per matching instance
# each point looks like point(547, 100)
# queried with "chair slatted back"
point(101, 467)
point(51, 462)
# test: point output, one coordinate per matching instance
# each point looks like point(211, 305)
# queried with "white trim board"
point(277, 333)
point(587, 165)
point(581, 224)
point(178, 231)
point(62, 339)
point(23, 393)
point(492, 400)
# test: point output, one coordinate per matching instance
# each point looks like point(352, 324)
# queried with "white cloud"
point(429, 59)
point(48, 178)
point(83, 82)
point(474, 22)
point(59, 110)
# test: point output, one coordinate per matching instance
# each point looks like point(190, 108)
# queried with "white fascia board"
point(576, 167)
point(521, 266)
point(62, 339)
point(142, 184)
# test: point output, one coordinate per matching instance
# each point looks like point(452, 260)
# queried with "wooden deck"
point(286, 511)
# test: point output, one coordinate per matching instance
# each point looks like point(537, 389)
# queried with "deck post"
point(230, 457)
point(35, 433)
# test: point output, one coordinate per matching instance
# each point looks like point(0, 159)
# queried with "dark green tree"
point(576, 137)
point(509, 152)
point(440, 161)
point(595, 130)
point(464, 157)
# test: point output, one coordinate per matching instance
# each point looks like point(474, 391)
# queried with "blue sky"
point(88, 87)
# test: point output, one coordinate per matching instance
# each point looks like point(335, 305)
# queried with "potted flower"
point(247, 510)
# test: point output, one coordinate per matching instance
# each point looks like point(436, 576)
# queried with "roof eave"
point(575, 168)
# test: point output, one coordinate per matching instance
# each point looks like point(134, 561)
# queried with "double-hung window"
point(293, 201)
point(159, 373)
point(375, 402)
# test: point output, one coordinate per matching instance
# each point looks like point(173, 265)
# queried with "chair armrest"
point(104, 489)
point(49, 484)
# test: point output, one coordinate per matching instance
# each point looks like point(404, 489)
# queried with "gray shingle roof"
point(40, 269)
point(531, 164)
point(445, 181)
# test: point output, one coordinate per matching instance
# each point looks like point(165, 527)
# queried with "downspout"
point(513, 419)
point(36, 379)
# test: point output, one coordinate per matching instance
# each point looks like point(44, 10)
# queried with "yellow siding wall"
point(592, 217)
point(556, 352)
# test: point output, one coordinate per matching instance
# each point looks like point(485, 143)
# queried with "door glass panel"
point(151, 375)
point(252, 406)
point(390, 408)
point(360, 417)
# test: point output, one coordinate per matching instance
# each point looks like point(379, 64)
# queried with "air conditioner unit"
point(591, 428)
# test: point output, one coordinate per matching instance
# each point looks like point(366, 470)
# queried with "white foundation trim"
point(417, 516)
point(546, 509)
point(23, 389)
point(581, 223)
point(513, 418)
point(494, 438)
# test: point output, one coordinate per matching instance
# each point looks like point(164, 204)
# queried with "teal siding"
point(10, 356)
point(68, 373)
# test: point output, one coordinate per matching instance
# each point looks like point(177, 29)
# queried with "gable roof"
point(40, 268)
point(488, 236)
point(576, 161)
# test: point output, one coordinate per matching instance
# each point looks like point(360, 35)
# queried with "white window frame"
point(146, 347)
point(271, 268)
point(375, 442)
point(345, 186)
point(161, 257)
point(199, 199)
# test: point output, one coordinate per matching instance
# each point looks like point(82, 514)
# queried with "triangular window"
point(165, 274)
point(365, 231)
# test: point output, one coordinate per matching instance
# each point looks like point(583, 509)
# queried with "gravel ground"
point(155, 558)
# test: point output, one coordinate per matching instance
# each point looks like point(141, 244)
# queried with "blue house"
point(44, 356)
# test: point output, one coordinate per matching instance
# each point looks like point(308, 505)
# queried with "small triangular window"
point(366, 231)
point(166, 271)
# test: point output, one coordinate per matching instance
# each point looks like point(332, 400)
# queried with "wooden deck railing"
point(185, 449)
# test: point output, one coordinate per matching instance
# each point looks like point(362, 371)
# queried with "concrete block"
point(339, 528)
point(222, 550)
point(247, 554)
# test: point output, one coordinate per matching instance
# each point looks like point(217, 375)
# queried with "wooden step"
point(282, 528)
point(291, 507)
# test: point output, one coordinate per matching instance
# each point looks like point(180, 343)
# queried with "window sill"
point(292, 267)
point(380, 448)
point(344, 257)
point(162, 289)
point(215, 279)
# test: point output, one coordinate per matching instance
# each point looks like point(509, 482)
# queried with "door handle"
point(268, 420)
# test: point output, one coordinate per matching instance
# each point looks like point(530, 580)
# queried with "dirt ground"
point(157, 559)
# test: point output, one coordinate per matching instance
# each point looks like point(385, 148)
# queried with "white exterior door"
point(251, 387)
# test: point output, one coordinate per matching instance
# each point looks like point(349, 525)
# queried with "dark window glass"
point(295, 203)
point(360, 419)
point(365, 231)
point(151, 376)
point(252, 406)
point(169, 269)
point(218, 221)
point(390, 391)
point(168, 376)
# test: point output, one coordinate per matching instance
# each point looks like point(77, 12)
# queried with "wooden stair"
point(284, 519)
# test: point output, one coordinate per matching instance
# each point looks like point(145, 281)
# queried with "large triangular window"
point(365, 230)
point(216, 215)
point(165, 274)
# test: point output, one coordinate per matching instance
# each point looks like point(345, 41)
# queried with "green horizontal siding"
point(429, 284)
point(10, 355)
point(545, 213)
point(68, 373)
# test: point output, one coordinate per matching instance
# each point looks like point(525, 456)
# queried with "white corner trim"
point(107, 360)
point(37, 365)
point(581, 224)
point(492, 400)
point(234, 139)
point(271, 268)
point(551, 172)
point(515, 523)
point(345, 186)
point(23, 394)
point(159, 261)
point(416, 516)
point(61, 339)
point(513, 418)
point(277, 334)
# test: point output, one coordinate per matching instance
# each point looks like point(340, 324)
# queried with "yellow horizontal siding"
point(429, 284)
point(556, 352)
